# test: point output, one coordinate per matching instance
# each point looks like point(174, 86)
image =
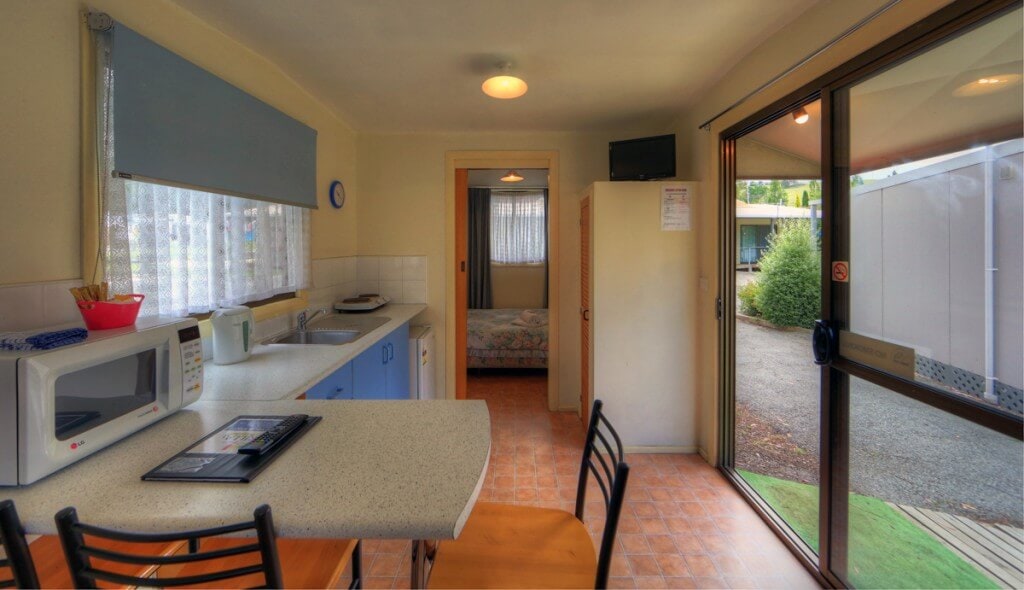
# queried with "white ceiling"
point(532, 178)
point(912, 112)
point(591, 65)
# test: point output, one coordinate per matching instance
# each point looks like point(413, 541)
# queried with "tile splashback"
point(37, 305)
point(400, 278)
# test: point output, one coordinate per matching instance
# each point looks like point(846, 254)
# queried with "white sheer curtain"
point(518, 228)
point(190, 251)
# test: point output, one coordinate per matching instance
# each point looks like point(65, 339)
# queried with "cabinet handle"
point(384, 351)
point(391, 351)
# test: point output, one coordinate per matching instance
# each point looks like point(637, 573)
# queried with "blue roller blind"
point(176, 123)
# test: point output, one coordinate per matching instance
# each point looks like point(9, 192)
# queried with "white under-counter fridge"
point(421, 362)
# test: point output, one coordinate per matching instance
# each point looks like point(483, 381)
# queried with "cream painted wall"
point(517, 286)
point(402, 208)
point(698, 149)
point(40, 210)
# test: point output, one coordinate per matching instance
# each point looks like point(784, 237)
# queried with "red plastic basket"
point(104, 315)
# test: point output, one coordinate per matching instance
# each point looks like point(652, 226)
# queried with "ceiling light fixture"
point(504, 85)
point(800, 116)
point(512, 176)
point(987, 85)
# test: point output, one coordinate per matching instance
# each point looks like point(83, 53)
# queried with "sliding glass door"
point(915, 233)
point(932, 344)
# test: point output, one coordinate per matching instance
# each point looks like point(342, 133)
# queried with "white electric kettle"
point(232, 334)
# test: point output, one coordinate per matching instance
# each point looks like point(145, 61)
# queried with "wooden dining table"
point(368, 470)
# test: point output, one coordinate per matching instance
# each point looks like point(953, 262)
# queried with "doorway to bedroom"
point(507, 324)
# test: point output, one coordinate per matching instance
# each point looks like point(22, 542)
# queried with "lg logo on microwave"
point(152, 410)
point(77, 445)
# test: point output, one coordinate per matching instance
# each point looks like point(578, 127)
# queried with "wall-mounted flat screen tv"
point(646, 158)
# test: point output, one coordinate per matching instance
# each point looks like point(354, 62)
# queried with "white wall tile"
point(349, 269)
point(367, 268)
point(392, 290)
point(58, 304)
point(363, 286)
point(414, 292)
point(21, 308)
point(337, 271)
point(414, 268)
point(390, 268)
point(321, 273)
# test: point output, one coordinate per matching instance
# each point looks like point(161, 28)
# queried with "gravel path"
point(901, 450)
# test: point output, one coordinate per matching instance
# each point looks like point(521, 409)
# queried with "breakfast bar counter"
point(369, 469)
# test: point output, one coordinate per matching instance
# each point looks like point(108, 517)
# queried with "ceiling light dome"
point(504, 85)
point(512, 176)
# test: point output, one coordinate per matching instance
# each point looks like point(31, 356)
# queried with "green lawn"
point(886, 550)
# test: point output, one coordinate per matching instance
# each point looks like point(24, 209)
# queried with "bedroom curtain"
point(547, 251)
point(480, 248)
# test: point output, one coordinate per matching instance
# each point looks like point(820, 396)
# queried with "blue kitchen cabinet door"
point(398, 363)
point(369, 373)
point(337, 385)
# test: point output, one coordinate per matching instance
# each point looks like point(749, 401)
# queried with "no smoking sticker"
point(841, 271)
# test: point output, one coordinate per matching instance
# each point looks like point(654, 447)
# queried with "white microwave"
point(62, 405)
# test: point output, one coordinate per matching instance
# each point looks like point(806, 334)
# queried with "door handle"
point(824, 342)
point(586, 315)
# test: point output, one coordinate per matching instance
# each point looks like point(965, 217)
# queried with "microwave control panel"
point(192, 364)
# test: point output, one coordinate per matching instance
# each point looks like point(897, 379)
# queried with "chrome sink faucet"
point(303, 321)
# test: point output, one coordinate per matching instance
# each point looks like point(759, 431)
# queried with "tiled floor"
point(683, 525)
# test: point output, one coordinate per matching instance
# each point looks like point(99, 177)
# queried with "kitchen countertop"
point(286, 371)
point(369, 469)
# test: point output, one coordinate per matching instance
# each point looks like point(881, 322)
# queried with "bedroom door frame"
point(455, 278)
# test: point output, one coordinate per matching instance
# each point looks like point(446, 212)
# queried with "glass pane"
point(778, 283)
point(935, 501)
point(96, 395)
point(936, 215)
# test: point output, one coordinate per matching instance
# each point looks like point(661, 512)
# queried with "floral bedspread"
point(493, 340)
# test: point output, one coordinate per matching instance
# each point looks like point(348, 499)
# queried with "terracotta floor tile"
point(643, 509)
point(621, 582)
point(681, 582)
point(378, 581)
point(730, 565)
point(672, 565)
point(710, 582)
point(741, 582)
point(643, 565)
point(650, 582)
point(688, 544)
point(661, 544)
point(701, 566)
point(386, 564)
point(634, 544)
point(653, 526)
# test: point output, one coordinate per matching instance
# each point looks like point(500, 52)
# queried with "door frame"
point(934, 29)
point(489, 159)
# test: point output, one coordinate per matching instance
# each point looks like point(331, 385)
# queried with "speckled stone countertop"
point(286, 371)
point(369, 469)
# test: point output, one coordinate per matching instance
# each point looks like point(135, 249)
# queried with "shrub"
point(789, 291)
point(748, 299)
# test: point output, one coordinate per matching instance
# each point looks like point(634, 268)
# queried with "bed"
point(507, 339)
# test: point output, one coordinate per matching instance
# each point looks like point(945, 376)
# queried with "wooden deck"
point(995, 550)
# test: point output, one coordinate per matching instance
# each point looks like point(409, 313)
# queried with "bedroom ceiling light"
point(800, 116)
point(512, 176)
point(504, 85)
point(987, 85)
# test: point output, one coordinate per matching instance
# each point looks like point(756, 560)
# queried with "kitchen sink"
point(317, 337)
point(332, 329)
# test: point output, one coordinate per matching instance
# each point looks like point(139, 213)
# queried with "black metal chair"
point(211, 560)
point(18, 561)
point(506, 546)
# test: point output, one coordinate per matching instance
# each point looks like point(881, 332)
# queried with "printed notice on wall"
point(675, 208)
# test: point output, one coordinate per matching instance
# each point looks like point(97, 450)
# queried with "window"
point(518, 227)
point(188, 250)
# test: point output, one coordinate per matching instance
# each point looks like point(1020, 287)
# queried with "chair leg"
point(357, 566)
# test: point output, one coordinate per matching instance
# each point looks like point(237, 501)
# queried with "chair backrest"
point(85, 573)
point(18, 561)
point(606, 462)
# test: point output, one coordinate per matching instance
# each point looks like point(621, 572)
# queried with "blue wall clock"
point(337, 194)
